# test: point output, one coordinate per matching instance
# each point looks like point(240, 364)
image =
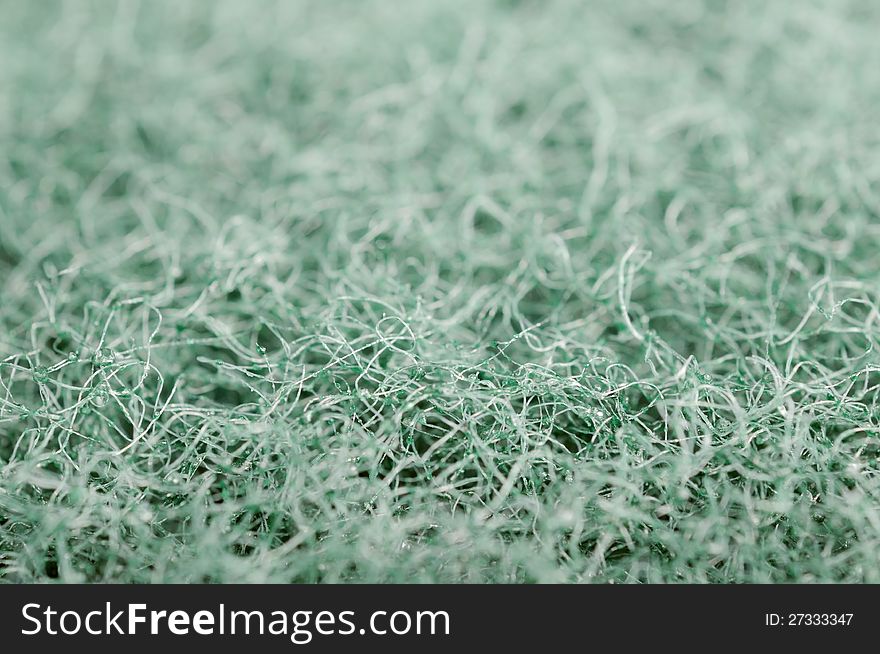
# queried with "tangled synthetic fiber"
point(439, 291)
